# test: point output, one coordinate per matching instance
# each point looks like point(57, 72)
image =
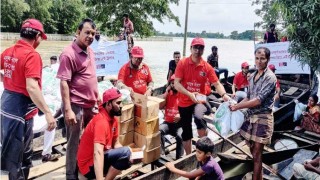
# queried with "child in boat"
point(208, 167)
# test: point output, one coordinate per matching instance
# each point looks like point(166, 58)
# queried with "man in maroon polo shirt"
point(79, 89)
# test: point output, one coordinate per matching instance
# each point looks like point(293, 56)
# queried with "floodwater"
point(158, 53)
point(231, 54)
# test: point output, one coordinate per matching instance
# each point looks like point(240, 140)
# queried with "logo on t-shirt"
point(201, 73)
point(144, 71)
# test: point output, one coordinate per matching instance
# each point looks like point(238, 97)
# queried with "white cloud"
point(222, 16)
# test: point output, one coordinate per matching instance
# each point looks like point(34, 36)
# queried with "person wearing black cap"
point(22, 66)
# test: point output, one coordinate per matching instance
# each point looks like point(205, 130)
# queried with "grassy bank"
point(46, 48)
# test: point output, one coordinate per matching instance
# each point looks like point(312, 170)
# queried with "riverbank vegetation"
point(246, 35)
point(300, 21)
point(62, 16)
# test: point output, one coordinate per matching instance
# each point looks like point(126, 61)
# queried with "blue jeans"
point(220, 71)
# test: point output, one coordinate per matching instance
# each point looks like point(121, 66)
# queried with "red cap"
point(244, 64)
point(110, 94)
point(172, 78)
point(137, 52)
point(34, 24)
point(197, 41)
point(272, 67)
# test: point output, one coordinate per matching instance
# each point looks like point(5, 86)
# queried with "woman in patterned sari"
point(311, 116)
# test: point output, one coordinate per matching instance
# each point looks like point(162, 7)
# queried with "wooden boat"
point(235, 164)
point(290, 91)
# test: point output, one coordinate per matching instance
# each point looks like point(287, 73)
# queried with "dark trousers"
point(186, 113)
point(83, 116)
point(118, 158)
point(174, 129)
point(16, 135)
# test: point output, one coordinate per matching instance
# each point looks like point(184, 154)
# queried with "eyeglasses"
point(199, 47)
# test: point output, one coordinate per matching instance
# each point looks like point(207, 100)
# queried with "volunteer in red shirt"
point(278, 90)
point(21, 97)
point(171, 123)
point(100, 153)
point(241, 83)
point(135, 75)
point(191, 76)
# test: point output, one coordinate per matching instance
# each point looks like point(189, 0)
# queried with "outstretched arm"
point(192, 174)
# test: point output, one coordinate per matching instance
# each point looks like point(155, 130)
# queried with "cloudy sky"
point(222, 16)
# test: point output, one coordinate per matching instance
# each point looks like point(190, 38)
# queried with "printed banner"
point(282, 60)
point(110, 56)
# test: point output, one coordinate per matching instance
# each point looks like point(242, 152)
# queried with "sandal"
point(50, 157)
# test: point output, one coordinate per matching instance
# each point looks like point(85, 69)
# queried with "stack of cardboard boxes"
point(144, 130)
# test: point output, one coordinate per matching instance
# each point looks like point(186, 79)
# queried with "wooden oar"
point(246, 153)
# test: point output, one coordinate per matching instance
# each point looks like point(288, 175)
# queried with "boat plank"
point(47, 167)
point(189, 162)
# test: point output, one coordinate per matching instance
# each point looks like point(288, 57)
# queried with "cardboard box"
point(156, 99)
point(146, 127)
point(148, 156)
point(151, 155)
point(126, 126)
point(150, 141)
point(126, 139)
point(151, 110)
point(127, 112)
point(146, 107)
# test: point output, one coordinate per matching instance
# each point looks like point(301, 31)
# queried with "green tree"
point(234, 35)
point(302, 21)
point(66, 15)
point(141, 12)
point(39, 9)
point(12, 14)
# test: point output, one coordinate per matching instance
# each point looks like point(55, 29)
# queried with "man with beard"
point(97, 36)
point(271, 36)
point(171, 123)
point(191, 76)
point(79, 89)
point(135, 75)
point(257, 128)
point(240, 83)
point(100, 153)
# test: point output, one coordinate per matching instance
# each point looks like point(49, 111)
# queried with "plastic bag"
point(126, 98)
point(103, 86)
point(222, 117)
point(237, 119)
point(298, 111)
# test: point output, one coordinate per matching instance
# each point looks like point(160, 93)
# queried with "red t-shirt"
point(101, 129)
point(19, 62)
point(136, 79)
point(240, 80)
point(208, 89)
point(171, 109)
point(194, 78)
